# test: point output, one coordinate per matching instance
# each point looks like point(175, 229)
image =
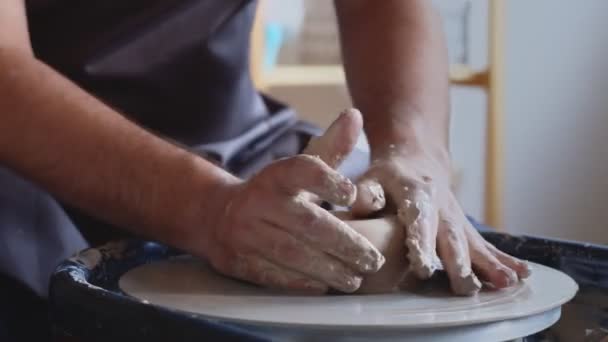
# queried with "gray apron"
point(176, 67)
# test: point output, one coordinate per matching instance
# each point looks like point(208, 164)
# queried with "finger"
point(486, 264)
point(324, 231)
point(419, 215)
point(370, 198)
point(520, 267)
point(307, 173)
point(285, 250)
point(491, 270)
point(262, 272)
point(338, 140)
point(453, 251)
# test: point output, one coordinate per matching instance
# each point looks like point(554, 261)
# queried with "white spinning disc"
point(190, 285)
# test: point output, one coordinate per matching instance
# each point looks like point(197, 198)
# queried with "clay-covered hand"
point(272, 232)
point(417, 187)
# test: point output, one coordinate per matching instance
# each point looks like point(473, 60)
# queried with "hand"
point(418, 189)
point(271, 231)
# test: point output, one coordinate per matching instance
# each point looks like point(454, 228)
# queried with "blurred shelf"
point(308, 75)
point(303, 75)
point(465, 75)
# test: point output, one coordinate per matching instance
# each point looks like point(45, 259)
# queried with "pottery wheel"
point(189, 285)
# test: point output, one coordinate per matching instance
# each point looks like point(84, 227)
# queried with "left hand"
point(417, 187)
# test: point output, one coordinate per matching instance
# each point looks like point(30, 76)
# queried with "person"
point(141, 116)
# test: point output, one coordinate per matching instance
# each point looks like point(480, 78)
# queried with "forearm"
point(396, 65)
point(90, 156)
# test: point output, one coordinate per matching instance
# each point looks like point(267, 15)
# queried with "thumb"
point(339, 139)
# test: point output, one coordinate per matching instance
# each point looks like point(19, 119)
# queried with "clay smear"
point(415, 216)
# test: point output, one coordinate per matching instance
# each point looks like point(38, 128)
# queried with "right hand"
point(273, 233)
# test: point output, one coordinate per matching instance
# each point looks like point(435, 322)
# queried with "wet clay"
point(387, 235)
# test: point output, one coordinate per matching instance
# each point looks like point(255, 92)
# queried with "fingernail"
point(349, 111)
point(421, 263)
point(345, 191)
point(527, 270)
point(467, 285)
point(377, 193)
point(343, 182)
point(352, 284)
point(349, 186)
point(348, 192)
point(378, 203)
point(343, 113)
point(509, 276)
point(424, 271)
point(376, 261)
point(513, 278)
point(371, 262)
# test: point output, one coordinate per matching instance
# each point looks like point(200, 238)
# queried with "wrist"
point(410, 133)
point(205, 193)
point(413, 146)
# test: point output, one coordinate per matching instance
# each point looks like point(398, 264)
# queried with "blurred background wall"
point(556, 111)
point(557, 118)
